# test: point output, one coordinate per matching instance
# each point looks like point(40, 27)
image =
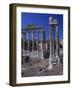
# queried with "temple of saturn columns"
point(29, 34)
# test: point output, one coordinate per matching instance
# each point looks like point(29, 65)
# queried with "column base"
point(58, 59)
point(50, 67)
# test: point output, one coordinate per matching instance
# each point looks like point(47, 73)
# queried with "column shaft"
point(28, 41)
point(23, 43)
point(53, 40)
point(57, 41)
point(37, 44)
point(42, 46)
point(37, 40)
point(41, 42)
point(32, 41)
point(50, 40)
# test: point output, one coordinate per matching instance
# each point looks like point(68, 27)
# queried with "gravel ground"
point(39, 68)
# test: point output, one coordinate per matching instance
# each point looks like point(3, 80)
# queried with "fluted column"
point(57, 43)
point(28, 43)
point(57, 36)
point(32, 41)
point(37, 44)
point(23, 43)
point(41, 41)
point(42, 45)
point(53, 41)
point(50, 40)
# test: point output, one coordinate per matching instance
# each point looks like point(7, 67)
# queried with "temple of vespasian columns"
point(29, 34)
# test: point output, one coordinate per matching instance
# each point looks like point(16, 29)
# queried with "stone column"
point(42, 46)
point(50, 40)
point(37, 44)
point(41, 41)
point(32, 42)
point(51, 44)
point(28, 43)
point(57, 43)
point(23, 43)
point(53, 41)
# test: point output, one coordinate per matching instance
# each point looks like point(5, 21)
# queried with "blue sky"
point(40, 19)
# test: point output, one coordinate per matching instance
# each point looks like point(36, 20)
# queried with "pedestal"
point(50, 63)
point(58, 59)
